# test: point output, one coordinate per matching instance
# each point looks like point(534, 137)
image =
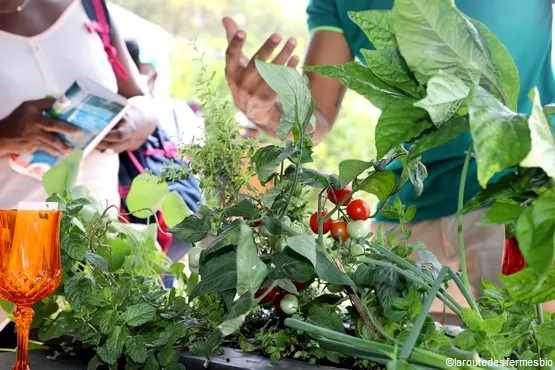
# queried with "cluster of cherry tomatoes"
point(283, 300)
point(357, 210)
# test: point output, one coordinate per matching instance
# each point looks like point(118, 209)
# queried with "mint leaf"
point(377, 26)
point(304, 245)
point(174, 209)
point(446, 94)
point(542, 153)
point(535, 232)
point(251, 271)
point(139, 314)
point(167, 355)
point(390, 67)
point(112, 350)
point(400, 122)
point(74, 244)
point(350, 169)
point(136, 349)
point(146, 195)
point(447, 132)
point(434, 36)
point(502, 213)
point(96, 260)
point(294, 95)
point(78, 289)
point(494, 129)
point(381, 184)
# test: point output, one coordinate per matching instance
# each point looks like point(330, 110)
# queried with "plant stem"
point(460, 219)
point(298, 167)
point(466, 293)
point(340, 204)
point(419, 323)
point(541, 320)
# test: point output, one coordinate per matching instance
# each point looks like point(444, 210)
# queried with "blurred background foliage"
point(199, 21)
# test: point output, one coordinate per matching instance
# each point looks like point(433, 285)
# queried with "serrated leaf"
point(400, 122)
point(390, 67)
point(542, 153)
point(174, 209)
point(136, 349)
point(139, 314)
point(381, 184)
point(446, 94)
point(304, 245)
point(251, 271)
point(74, 244)
point(350, 169)
point(146, 195)
point(77, 290)
point(545, 334)
point(293, 93)
point(495, 128)
point(447, 132)
point(111, 351)
point(526, 286)
point(377, 26)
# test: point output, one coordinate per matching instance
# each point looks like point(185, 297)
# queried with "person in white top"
point(45, 46)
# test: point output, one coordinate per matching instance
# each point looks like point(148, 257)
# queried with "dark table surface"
point(38, 361)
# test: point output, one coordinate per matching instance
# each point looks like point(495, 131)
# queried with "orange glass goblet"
point(30, 266)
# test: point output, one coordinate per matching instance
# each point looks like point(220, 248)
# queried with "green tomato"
point(289, 304)
point(298, 189)
point(357, 250)
point(286, 221)
point(281, 244)
point(358, 229)
point(194, 258)
point(332, 288)
point(263, 230)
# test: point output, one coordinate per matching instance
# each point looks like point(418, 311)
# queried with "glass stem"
point(23, 318)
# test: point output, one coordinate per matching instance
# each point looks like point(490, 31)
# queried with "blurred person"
point(337, 40)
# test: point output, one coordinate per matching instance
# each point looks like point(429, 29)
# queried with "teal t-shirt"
point(524, 26)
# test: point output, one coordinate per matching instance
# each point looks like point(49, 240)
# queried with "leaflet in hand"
point(87, 105)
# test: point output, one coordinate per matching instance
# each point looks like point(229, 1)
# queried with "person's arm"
point(141, 118)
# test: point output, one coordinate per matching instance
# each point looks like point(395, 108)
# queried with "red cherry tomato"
point(339, 227)
point(300, 285)
point(337, 195)
point(277, 300)
point(269, 297)
point(358, 209)
point(314, 223)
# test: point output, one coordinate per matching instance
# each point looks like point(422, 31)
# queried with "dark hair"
point(134, 51)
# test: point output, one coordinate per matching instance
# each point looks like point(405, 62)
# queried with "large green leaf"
point(267, 159)
point(449, 131)
point(400, 122)
point(362, 80)
point(526, 286)
point(535, 232)
point(435, 36)
point(497, 133)
point(293, 93)
point(174, 209)
point(192, 229)
point(377, 26)
point(502, 213)
point(350, 169)
point(304, 245)
point(503, 64)
point(542, 153)
point(290, 265)
point(251, 271)
point(146, 195)
point(62, 177)
point(381, 184)
point(329, 272)
point(389, 66)
point(446, 93)
point(218, 274)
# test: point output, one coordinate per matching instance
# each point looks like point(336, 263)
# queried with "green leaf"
point(494, 130)
point(399, 123)
point(377, 26)
point(192, 229)
point(268, 158)
point(244, 208)
point(350, 169)
point(136, 349)
point(417, 174)
point(398, 365)
point(272, 224)
point(167, 355)
point(62, 177)
point(493, 325)
point(230, 326)
point(314, 178)
point(289, 265)
point(385, 282)
point(449, 131)
point(218, 274)
point(94, 363)
point(96, 260)
point(78, 289)
point(446, 94)
point(229, 235)
point(74, 244)
point(434, 36)
point(174, 209)
point(175, 366)
point(139, 314)
point(542, 153)
point(111, 351)
point(287, 285)
point(503, 63)
point(304, 245)
point(329, 272)
point(251, 271)
point(273, 194)
point(381, 184)
point(359, 78)
point(502, 213)
point(146, 195)
point(466, 340)
point(545, 334)
point(293, 93)
point(390, 67)
point(325, 316)
point(526, 286)
point(535, 232)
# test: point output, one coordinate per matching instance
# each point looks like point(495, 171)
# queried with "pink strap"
point(135, 162)
point(103, 30)
point(169, 150)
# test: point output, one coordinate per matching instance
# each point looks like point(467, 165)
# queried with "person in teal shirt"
point(525, 27)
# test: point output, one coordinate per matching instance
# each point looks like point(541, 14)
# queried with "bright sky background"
point(293, 7)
